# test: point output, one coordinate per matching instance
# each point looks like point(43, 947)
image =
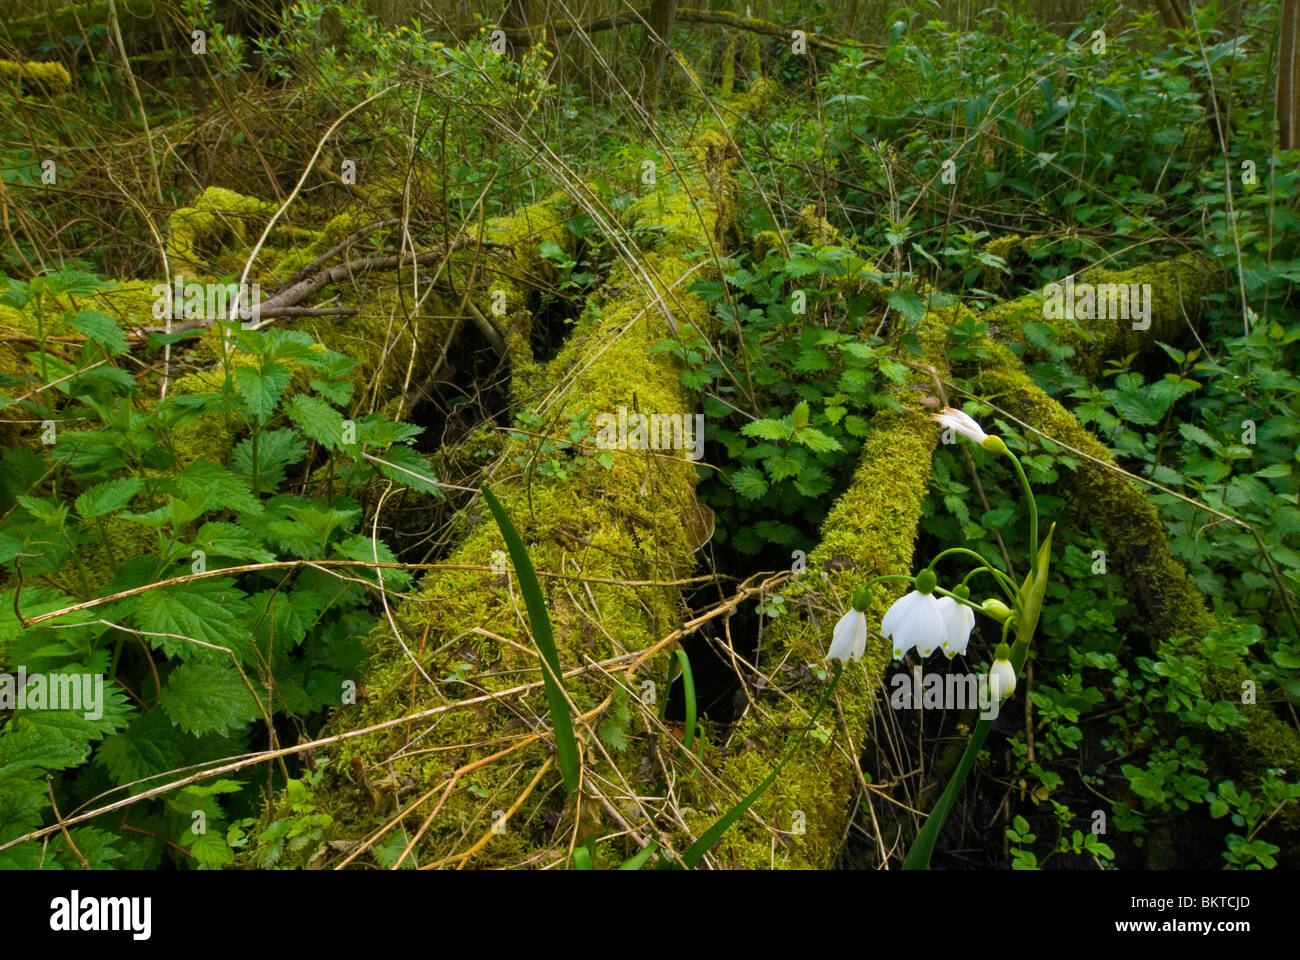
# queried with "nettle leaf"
point(212, 610)
point(102, 329)
point(767, 429)
point(203, 696)
point(816, 441)
point(277, 450)
point(215, 487)
point(911, 306)
point(336, 391)
point(150, 745)
point(285, 618)
point(108, 497)
point(317, 419)
point(59, 739)
point(380, 431)
point(261, 387)
point(231, 540)
point(749, 482)
point(781, 468)
point(404, 465)
point(364, 548)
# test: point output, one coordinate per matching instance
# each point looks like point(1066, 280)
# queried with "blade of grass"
point(566, 747)
point(688, 688)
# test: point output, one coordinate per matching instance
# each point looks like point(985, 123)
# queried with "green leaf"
point(766, 429)
point(261, 388)
point(210, 610)
point(207, 696)
point(566, 746)
point(102, 329)
point(277, 450)
point(108, 497)
point(150, 745)
point(816, 441)
point(404, 465)
point(907, 303)
point(215, 487)
point(749, 482)
point(231, 540)
point(317, 419)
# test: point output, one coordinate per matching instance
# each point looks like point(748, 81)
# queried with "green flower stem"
point(918, 858)
point(1033, 515)
point(1006, 583)
point(964, 601)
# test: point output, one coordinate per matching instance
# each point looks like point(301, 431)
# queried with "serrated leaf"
point(206, 696)
point(405, 465)
point(231, 540)
point(766, 429)
point(261, 388)
point(215, 487)
point(108, 497)
point(816, 441)
point(317, 419)
point(749, 482)
point(338, 392)
point(277, 450)
point(150, 745)
point(102, 329)
point(907, 303)
point(211, 610)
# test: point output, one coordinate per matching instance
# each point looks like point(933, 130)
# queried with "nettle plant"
point(930, 617)
point(222, 597)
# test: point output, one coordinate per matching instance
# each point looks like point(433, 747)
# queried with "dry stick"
point(303, 272)
point(484, 840)
point(135, 91)
point(49, 788)
point(243, 278)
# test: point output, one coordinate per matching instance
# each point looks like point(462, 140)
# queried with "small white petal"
point(849, 640)
point(1002, 679)
point(957, 420)
point(958, 621)
point(913, 621)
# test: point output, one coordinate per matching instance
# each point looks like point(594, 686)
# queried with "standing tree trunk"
point(654, 50)
point(1288, 74)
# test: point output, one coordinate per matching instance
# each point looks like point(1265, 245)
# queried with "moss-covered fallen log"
point(614, 539)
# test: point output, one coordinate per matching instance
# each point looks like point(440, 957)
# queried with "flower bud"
point(996, 609)
point(993, 444)
point(926, 581)
point(1002, 675)
point(862, 599)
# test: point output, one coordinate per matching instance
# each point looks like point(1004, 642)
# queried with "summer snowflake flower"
point(963, 424)
point(1002, 676)
point(849, 641)
point(958, 621)
point(915, 619)
point(966, 426)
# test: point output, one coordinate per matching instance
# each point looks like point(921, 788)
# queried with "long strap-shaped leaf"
point(561, 718)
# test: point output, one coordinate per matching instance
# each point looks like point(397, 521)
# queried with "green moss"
point(53, 76)
point(870, 531)
point(1176, 290)
point(623, 523)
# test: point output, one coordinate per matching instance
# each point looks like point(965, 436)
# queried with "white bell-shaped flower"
point(958, 622)
point(956, 420)
point(849, 641)
point(914, 620)
point(1002, 675)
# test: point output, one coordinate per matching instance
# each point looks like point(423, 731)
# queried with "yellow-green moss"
point(52, 75)
point(870, 530)
point(1176, 290)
